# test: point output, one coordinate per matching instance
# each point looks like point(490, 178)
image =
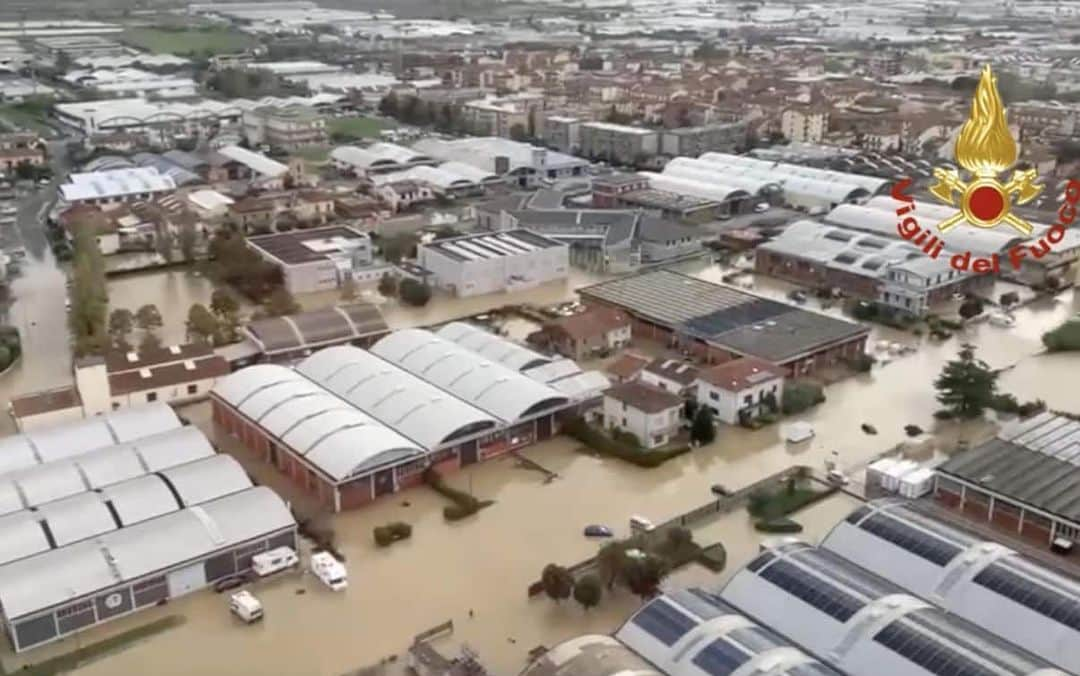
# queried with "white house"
point(671, 375)
point(747, 384)
point(649, 413)
point(401, 195)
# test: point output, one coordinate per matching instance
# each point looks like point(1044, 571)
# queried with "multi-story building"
point(506, 117)
point(16, 149)
point(494, 262)
point(618, 143)
point(289, 127)
point(741, 389)
point(562, 133)
point(320, 259)
point(1044, 117)
point(649, 413)
point(807, 124)
point(693, 141)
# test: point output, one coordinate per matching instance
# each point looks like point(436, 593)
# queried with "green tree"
point(799, 396)
point(121, 324)
point(395, 248)
point(611, 562)
point(148, 318)
point(517, 132)
point(388, 106)
point(412, 292)
point(972, 307)
point(967, 385)
point(689, 409)
point(388, 285)
point(223, 305)
point(189, 238)
point(89, 300)
point(588, 591)
point(644, 574)
point(281, 303)
point(150, 342)
point(558, 582)
point(202, 325)
point(702, 429)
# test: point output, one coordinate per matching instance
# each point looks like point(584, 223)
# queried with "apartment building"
point(618, 143)
point(806, 124)
point(289, 127)
point(693, 141)
point(499, 116)
point(562, 133)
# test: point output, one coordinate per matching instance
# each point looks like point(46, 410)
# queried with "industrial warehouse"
point(719, 323)
point(106, 516)
point(349, 425)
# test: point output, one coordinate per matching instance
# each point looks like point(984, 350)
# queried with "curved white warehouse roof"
point(360, 158)
point(983, 582)
point(704, 172)
point(84, 515)
point(51, 578)
point(399, 154)
point(960, 238)
point(412, 406)
point(95, 469)
point(468, 171)
point(692, 632)
point(332, 434)
point(491, 346)
point(497, 389)
point(862, 624)
point(64, 441)
point(688, 186)
point(871, 184)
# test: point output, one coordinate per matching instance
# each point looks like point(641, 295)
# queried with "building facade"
point(804, 124)
point(284, 127)
point(618, 143)
point(693, 141)
point(511, 260)
point(652, 415)
point(741, 390)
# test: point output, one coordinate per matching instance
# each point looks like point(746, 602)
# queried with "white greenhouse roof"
point(360, 158)
point(436, 177)
point(690, 186)
point(982, 582)
point(411, 405)
point(334, 435)
point(497, 389)
point(468, 172)
point(869, 219)
point(705, 172)
point(399, 154)
point(863, 624)
point(58, 479)
point(21, 535)
point(490, 346)
point(51, 578)
point(72, 439)
point(115, 183)
point(257, 162)
point(871, 184)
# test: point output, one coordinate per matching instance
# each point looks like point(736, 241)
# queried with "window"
point(116, 406)
point(748, 399)
point(714, 396)
point(192, 389)
point(151, 396)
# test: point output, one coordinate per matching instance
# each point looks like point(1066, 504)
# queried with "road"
point(38, 293)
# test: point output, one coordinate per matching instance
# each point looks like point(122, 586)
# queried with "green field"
point(357, 127)
point(190, 42)
point(25, 117)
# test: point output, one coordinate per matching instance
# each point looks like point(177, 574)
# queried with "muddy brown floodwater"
point(486, 562)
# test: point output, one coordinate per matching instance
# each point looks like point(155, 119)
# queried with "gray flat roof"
point(1036, 462)
point(490, 245)
point(724, 315)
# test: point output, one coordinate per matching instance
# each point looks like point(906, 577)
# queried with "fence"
point(711, 509)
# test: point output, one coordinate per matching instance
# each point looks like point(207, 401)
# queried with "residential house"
point(627, 368)
point(595, 331)
point(402, 195)
point(650, 414)
point(90, 217)
point(741, 389)
point(671, 375)
point(20, 148)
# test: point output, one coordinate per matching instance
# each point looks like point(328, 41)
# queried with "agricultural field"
point(188, 42)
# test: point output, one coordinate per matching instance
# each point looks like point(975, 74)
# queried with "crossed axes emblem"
point(1022, 187)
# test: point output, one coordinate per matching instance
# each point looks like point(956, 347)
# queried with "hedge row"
point(464, 503)
point(604, 444)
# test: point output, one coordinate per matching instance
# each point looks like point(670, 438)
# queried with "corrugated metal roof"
point(77, 517)
point(490, 346)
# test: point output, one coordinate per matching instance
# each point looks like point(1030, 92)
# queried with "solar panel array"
point(828, 599)
point(917, 542)
point(1049, 434)
point(664, 621)
point(1044, 600)
point(721, 658)
point(929, 652)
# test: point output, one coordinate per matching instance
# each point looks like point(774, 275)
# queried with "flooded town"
point(538, 338)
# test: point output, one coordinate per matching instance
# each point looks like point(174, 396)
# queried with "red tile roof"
point(627, 366)
point(594, 322)
point(644, 397)
point(45, 401)
point(169, 374)
point(739, 374)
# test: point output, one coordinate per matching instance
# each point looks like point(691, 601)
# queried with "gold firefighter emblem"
point(985, 148)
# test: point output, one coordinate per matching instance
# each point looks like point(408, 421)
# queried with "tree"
point(972, 307)
point(398, 247)
point(412, 292)
point(202, 325)
point(388, 106)
point(164, 243)
point(222, 304)
point(702, 430)
point(588, 591)
point(188, 240)
point(148, 318)
point(690, 407)
point(150, 342)
point(388, 285)
point(643, 575)
point(531, 126)
point(89, 300)
point(121, 324)
point(517, 132)
point(557, 581)
point(281, 303)
point(348, 289)
point(966, 386)
point(610, 563)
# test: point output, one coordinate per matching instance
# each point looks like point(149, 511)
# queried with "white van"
point(244, 605)
point(329, 570)
point(274, 560)
point(640, 523)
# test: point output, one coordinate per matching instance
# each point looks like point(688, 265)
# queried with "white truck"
point(244, 605)
point(329, 570)
point(270, 562)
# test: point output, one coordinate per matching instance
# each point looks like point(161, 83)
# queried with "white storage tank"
point(875, 471)
point(917, 483)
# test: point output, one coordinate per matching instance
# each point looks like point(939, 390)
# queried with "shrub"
point(912, 430)
point(391, 533)
point(862, 363)
point(1005, 403)
point(464, 503)
point(413, 292)
point(778, 525)
point(864, 311)
point(713, 557)
point(1063, 338)
point(799, 396)
point(944, 414)
point(1030, 408)
point(577, 428)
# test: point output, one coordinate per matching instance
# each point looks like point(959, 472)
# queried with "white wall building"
point(320, 259)
point(745, 384)
point(650, 414)
point(494, 262)
point(117, 185)
point(805, 125)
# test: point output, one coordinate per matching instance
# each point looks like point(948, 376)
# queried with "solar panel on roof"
point(913, 540)
point(929, 653)
point(664, 622)
point(815, 592)
point(720, 658)
point(1043, 600)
